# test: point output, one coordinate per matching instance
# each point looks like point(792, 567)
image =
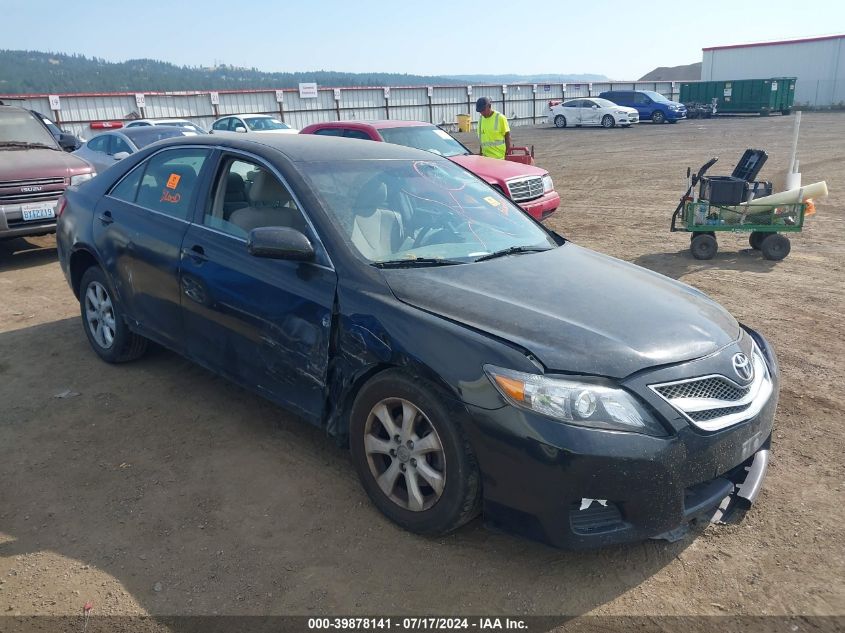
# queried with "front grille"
point(523, 189)
point(37, 182)
point(23, 198)
point(712, 414)
point(715, 402)
point(716, 387)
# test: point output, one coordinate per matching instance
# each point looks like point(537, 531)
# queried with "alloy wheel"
point(99, 313)
point(405, 454)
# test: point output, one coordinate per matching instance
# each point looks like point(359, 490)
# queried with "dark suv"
point(651, 105)
point(34, 172)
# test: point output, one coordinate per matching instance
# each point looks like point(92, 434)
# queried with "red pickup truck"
point(530, 187)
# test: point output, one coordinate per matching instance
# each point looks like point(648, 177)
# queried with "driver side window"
point(247, 196)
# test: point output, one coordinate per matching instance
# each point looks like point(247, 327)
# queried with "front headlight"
point(80, 178)
point(584, 402)
point(548, 185)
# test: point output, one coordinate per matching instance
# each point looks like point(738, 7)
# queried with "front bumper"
point(577, 487)
point(541, 208)
point(12, 223)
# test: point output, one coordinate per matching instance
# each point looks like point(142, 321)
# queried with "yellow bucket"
point(464, 123)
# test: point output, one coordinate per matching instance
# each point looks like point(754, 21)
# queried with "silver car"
point(104, 150)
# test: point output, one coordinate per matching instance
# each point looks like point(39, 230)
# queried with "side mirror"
point(121, 155)
point(277, 242)
point(595, 107)
point(240, 128)
point(68, 142)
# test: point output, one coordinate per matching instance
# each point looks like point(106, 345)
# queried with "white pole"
point(793, 178)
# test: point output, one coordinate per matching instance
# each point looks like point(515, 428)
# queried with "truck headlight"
point(80, 178)
point(583, 402)
point(548, 185)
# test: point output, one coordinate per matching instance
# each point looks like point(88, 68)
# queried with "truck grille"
point(54, 188)
point(523, 189)
point(715, 402)
point(36, 196)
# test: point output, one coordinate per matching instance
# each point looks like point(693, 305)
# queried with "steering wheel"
point(432, 222)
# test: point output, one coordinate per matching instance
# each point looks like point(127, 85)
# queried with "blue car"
point(651, 105)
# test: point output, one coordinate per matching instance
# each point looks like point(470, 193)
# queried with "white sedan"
point(246, 123)
point(592, 111)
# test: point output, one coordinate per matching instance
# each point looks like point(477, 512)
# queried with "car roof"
point(154, 121)
point(378, 124)
point(310, 147)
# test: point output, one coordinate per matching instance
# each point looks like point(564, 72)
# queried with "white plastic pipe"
point(793, 196)
point(792, 168)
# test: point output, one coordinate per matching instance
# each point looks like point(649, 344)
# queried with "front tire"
point(607, 122)
point(658, 117)
point(411, 456)
point(103, 321)
point(560, 121)
point(703, 246)
point(756, 239)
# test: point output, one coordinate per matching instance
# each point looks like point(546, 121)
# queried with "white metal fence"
point(523, 104)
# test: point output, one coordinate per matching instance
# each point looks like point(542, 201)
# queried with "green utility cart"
point(741, 96)
point(727, 203)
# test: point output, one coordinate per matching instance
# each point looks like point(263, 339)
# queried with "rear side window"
point(330, 131)
point(170, 181)
point(357, 134)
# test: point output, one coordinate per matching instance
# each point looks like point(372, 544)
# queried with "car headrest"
point(266, 190)
point(372, 196)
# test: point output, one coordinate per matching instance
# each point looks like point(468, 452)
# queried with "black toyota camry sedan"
point(472, 360)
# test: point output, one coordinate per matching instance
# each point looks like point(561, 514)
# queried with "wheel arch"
point(81, 260)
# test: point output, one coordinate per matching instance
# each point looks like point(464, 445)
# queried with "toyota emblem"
point(742, 366)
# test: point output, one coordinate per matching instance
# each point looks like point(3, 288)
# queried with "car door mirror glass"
point(121, 155)
point(276, 242)
point(240, 128)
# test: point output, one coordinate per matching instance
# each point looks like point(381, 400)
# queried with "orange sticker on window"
point(173, 181)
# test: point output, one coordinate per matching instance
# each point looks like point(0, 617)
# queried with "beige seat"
point(377, 231)
point(270, 204)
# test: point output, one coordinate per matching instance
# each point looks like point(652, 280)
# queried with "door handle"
point(196, 253)
point(105, 218)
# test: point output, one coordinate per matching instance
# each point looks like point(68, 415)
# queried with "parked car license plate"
point(38, 211)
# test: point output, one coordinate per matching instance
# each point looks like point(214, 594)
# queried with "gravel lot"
point(158, 488)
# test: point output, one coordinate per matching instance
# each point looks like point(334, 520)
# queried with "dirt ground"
point(158, 488)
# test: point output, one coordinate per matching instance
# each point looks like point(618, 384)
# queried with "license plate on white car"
point(38, 211)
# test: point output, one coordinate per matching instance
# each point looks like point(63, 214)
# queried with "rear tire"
point(560, 121)
point(756, 239)
point(608, 122)
point(432, 487)
point(658, 117)
point(775, 247)
point(102, 319)
point(703, 246)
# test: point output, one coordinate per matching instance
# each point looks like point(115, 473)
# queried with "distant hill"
point(38, 72)
point(527, 79)
point(689, 72)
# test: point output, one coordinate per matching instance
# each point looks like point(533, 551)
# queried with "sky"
point(424, 38)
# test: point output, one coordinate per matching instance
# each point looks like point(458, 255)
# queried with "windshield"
point(656, 96)
point(143, 136)
point(19, 126)
point(604, 103)
point(389, 210)
point(265, 123)
point(427, 137)
point(184, 125)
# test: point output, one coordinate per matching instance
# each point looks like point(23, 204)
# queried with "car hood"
point(493, 170)
point(626, 109)
point(31, 164)
point(576, 310)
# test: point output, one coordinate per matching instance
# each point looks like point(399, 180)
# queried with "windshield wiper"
point(416, 261)
point(513, 250)
point(24, 145)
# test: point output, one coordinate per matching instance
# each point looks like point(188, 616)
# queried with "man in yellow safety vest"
point(494, 133)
